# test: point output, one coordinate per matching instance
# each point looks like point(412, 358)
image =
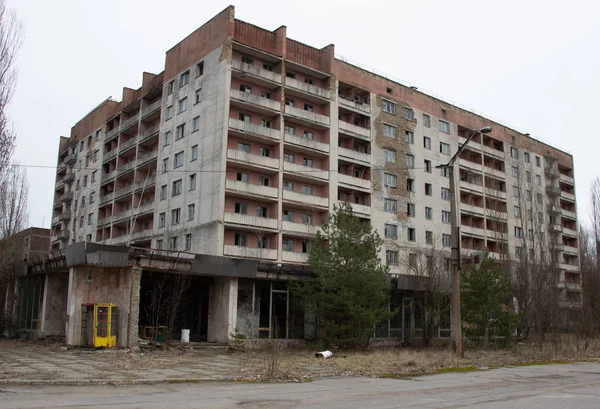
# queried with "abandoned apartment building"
point(224, 165)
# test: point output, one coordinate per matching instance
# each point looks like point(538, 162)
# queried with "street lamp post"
point(455, 239)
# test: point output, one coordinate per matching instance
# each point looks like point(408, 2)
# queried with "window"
point(307, 190)
point(518, 232)
point(308, 162)
point(199, 69)
point(97, 138)
point(240, 240)
point(428, 166)
point(242, 177)
point(83, 202)
point(261, 211)
point(198, 96)
point(288, 157)
point(241, 208)
point(409, 137)
point(410, 161)
point(290, 75)
point(88, 237)
point(180, 132)
point(96, 155)
point(389, 179)
point(515, 171)
point(169, 112)
point(194, 153)
point(266, 95)
point(529, 214)
point(161, 219)
point(191, 211)
point(514, 153)
point(175, 216)
point(306, 246)
point(390, 205)
point(391, 257)
point(81, 219)
point(176, 190)
point(427, 142)
point(243, 147)
point(539, 198)
point(444, 127)
point(445, 193)
point(444, 148)
point(184, 79)
point(309, 135)
point(410, 185)
point(388, 107)
point(288, 245)
point(159, 244)
point(246, 88)
point(538, 179)
point(163, 192)
point(81, 146)
point(247, 60)
point(263, 181)
point(290, 102)
point(426, 121)
point(188, 242)
point(530, 234)
point(445, 172)
point(541, 218)
point(527, 157)
point(85, 179)
point(182, 106)
point(192, 181)
point(92, 197)
point(528, 176)
point(87, 161)
point(309, 107)
point(173, 243)
point(411, 234)
point(538, 161)
point(446, 240)
point(195, 124)
point(167, 138)
point(178, 160)
point(428, 189)
point(307, 218)
point(517, 211)
point(389, 131)
point(288, 216)
point(529, 195)
point(411, 210)
point(412, 260)
point(290, 130)
point(170, 87)
point(391, 231)
point(516, 192)
point(266, 152)
point(428, 213)
point(409, 114)
point(289, 186)
point(94, 176)
point(445, 216)
point(428, 237)
point(90, 219)
point(390, 155)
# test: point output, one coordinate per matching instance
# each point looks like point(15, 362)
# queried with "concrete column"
point(134, 306)
point(222, 309)
point(54, 305)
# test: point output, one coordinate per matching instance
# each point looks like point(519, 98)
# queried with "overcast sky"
point(532, 65)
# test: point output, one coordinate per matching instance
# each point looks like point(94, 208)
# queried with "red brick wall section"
point(306, 55)
point(366, 80)
point(256, 37)
point(94, 120)
point(201, 42)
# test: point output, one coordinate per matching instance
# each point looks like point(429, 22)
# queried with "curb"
point(45, 382)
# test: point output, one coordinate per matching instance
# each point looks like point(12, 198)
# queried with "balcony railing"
point(251, 128)
point(471, 186)
point(556, 228)
point(249, 252)
point(150, 132)
point(69, 177)
point(124, 215)
point(250, 188)
point(64, 216)
point(553, 190)
point(253, 159)
point(472, 230)
point(112, 133)
point(306, 143)
point(566, 179)
point(569, 286)
point(364, 158)
point(306, 199)
point(366, 108)
point(141, 234)
point(307, 88)
point(493, 152)
point(553, 209)
point(472, 208)
point(107, 176)
point(492, 171)
point(129, 123)
point(551, 173)
point(110, 155)
point(106, 198)
point(354, 129)
point(252, 221)
point(71, 159)
point(126, 145)
point(123, 191)
point(306, 171)
point(569, 232)
point(307, 115)
point(361, 210)
point(66, 197)
point(571, 249)
point(151, 108)
point(300, 228)
point(145, 183)
point(259, 72)
point(147, 157)
point(294, 257)
point(567, 195)
point(255, 99)
point(354, 181)
point(568, 213)
point(490, 191)
point(570, 267)
point(63, 235)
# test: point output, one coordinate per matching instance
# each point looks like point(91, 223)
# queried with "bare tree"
point(14, 195)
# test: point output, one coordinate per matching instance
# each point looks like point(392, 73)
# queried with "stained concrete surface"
point(546, 386)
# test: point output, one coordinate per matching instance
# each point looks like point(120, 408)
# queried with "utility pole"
point(456, 326)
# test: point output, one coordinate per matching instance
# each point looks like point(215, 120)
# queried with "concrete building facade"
point(248, 139)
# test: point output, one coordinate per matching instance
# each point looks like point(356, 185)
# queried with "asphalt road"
point(547, 387)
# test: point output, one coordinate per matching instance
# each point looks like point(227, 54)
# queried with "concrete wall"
point(54, 307)
point(222, 309)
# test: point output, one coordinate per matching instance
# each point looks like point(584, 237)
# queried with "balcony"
point(126, 167)
point(146, 183)
point(294, 257)
point(249, 252)
point(568, 213)
point(251, 221)
point(354, 130)
point(571, 250)
point(551, 173)
point(147, 157)
point(55, 220)
point(566, 179)
point(305, 199)
point(150, 132)
point(124, 191)
point(363, 158)
point(257, 72)
point(472, 230)
point(553, 190)
point(69, 177)
point(151, 108)
point(106, 198)
point(555, 228)
point(472, 145)
point(469, 165)
point(306, 171)
point(250, 158)
point(307, 88)
point(128, 145)
point(557, 247)
point(553, 209)
point(567, 196)
point(359, 209)
point(489, 191)
point(129, 123)
point(357, 106)
point(71, 158)
point(140, 235)
point(122, 216)
point(569, 286)
point(569, 232)
point(571, 268)
point(111, 134)
point(257, 130)
point(306, 143)
point(472, 209)
point(252, 189)
point(65, 216)
point(108, 176)
point(108, 156)
point(473, 187)
point(354, 182)
point(63, 235)
point(66, 197)
point(493, 152)
point(299, 228)
point(494, 172)
point(255, 99)
point(307, 115)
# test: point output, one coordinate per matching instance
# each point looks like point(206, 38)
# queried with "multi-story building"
point(247, 140)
